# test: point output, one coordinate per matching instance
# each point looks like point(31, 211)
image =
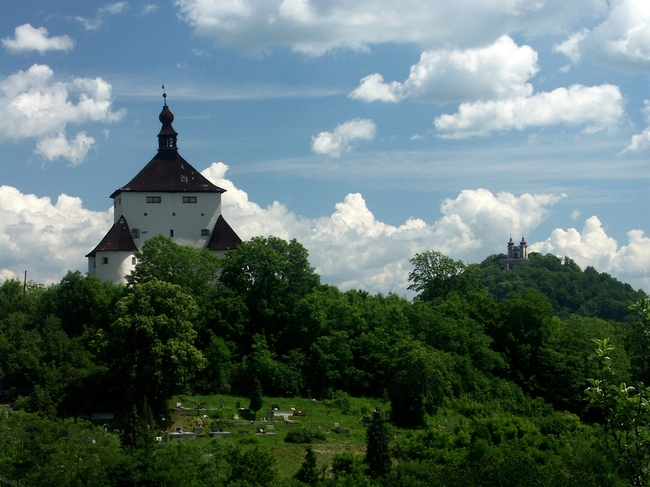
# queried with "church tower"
point(167, 197)
point(517, 254)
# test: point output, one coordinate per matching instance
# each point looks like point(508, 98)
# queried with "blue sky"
point(367, 130)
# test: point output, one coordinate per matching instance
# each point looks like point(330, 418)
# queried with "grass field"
point(316, 416)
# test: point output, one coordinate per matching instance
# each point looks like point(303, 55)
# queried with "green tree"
point(150, 345)
point(423, 379)
point(436, 275)
point(308, 472)
point(626, 407)
point(161, 258)
point(256, 399)
point(377, 451)
point(272, 275)
point(139, 428)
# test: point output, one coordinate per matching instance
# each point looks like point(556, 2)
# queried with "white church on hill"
point(167, 197)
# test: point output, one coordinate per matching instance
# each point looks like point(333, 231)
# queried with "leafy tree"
point(272, 275)
point(423, 379)
point(256, 399)
point(377, 453)
point(436, 275)
point(161, 258)
point(308, 473)
point(250, 468)
point(150, 345)
point(626, 407)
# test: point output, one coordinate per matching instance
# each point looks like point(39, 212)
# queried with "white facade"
point(187, 218)
point(112, 266)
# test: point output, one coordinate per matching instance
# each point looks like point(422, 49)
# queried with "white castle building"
point(167, 197)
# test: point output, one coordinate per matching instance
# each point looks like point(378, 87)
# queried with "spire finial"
point(164, 94)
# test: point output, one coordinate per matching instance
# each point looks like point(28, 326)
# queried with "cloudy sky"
point(368, 130)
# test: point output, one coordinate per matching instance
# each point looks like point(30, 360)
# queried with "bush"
point(304, 436)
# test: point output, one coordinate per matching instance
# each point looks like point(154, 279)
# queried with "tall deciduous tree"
point(436, 275)
point(150, 345)
point(190, 268)
point(423, 379)
point(272, 275)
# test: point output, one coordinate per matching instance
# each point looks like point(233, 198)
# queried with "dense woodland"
point(540, 369)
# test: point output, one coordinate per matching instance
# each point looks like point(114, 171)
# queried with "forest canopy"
point(508, 353)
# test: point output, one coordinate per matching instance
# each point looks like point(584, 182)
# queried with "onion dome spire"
point(167, 135)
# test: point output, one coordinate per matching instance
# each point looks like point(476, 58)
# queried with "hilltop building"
point(167, 197)
point(517, 254)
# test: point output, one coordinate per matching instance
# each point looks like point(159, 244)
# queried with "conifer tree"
point(308, 473)
point(256, 397)
point(377, 454)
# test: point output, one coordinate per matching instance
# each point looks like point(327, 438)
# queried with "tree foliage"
point(150, 345)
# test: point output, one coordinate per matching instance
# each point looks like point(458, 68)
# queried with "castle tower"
point(517, 254)
point(167, 197)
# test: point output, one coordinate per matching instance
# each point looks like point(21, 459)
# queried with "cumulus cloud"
point(593, 247)
point(492, 82)
point(349, 248)
point(316, 27)
point(597, 107)
point(622, 39)
point(352, 249)
point(27, 39)
point(500, 70)
point(75, 150)
point(34, 105)
point(343, 137)
point(46, 238)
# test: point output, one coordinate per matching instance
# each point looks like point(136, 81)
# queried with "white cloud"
point(598, 107)
point(109, 9)
point(593, 247)
point(315, 27)
point(114, 8)
point(150, 9)
point(349, 248)
point(343, 137)
point(75, 151)
point(571, 47)
point(641, 142)
point(500, 70)
point(34, 105)
point(27, 39)
point(622, 39)
point(46, 238)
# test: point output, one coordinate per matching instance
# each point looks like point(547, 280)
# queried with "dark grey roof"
point(223, 236)
point(118, 238)
point(168, 171)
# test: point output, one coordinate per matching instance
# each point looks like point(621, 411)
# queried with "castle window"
point(153, 199)
point(135, 232)
point(171, 233)
point(205, 232)
point(104, 260)
point(189, 199)
point(134, 261)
